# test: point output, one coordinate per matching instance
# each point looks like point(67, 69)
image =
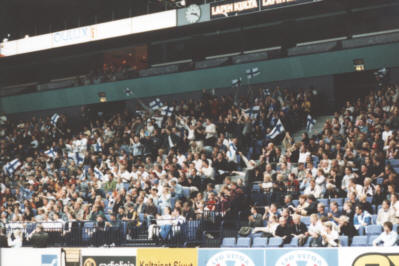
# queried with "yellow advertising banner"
point(167, 257)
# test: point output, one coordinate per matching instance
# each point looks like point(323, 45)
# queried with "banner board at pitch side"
point(167, 256)
point(108, 257)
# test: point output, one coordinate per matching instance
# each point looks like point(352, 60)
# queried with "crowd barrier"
point(346, 256)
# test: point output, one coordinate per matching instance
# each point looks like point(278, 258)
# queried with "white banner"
point(363, 256)
point(112, 29)
point(31, 256)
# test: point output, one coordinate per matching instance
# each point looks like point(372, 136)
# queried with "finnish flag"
point(77, 157)
point(252, 72)
point(236, 82)
point(128, 92)
point(97, 147)
point(54, 119)
point(97, 173)
point(156, 104)
point(267, 92)
point(167, 110)
point(310, 122)
point(252, 112)
point(51, 153)
point(10, 167)
point(277, 130)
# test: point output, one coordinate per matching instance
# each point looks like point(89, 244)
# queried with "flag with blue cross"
point(277, 130)
point(310, 122)
point(10, 167)
point(252, 72)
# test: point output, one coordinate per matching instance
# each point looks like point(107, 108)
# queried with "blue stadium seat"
point(186, 192)
point(88, 229)
point(359, 241)
point(373, 229)
point(305, 220)
point(374, 208)
point(396, 170)
point(260, 242)
point(395, 228)
point(380, 181)
point(256, 188)
point(340, 201)
point(324, 201)
point(295, 202)
point(371, 239)
point(361, 231)
point(293, 244)
point(344, 241)
point(243, 242)
point(374, 218)
point(228, 242)
point(394, 162)
point(275, 242)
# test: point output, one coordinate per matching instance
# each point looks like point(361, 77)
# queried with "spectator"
point(385, 214)
point(329, 236)
point(284, 230)
point(15, 239)
point(361, 218)
point(346, 228)
point(299, 229)
point(387, 238)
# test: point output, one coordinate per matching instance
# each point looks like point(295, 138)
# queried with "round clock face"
point(193, 13)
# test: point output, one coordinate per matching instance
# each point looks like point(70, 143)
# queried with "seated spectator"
point(385, 213)
point(314, 230)
point(38, 237)
point(299, 229)
point(284, 230)
point(334, 212)
point(270, 229)
point(395, 207)
point(312, 206)
point(329, 236)
point(321, 211)
point(388, 238)
point(346, 228)
point(255, 219)
point(361, 218)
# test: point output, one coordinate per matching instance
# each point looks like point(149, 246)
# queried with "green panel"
point(272, 70)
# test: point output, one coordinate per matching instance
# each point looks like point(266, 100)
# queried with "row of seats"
point(274, 242)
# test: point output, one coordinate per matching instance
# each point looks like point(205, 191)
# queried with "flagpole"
point(141, 102)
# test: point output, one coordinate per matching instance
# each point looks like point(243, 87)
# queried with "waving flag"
point(54, 119)
point(97, 173)
point(77, 157)
point(167, 110)
point(252, 112)
point(10, 167)
point(97, 147)
point(310, 122)
point(236, 82)
point(128, 92)
point(156, 104)
point(267, 92)
point(277, 130)
point(51, 153)
point(252, 72)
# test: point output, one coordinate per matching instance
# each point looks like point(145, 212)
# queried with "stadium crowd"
point(167, 164)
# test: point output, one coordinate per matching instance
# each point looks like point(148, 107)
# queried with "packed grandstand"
point(215, 171)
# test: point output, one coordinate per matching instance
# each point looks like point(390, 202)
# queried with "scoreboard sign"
point(269, 4)
point(233, 8)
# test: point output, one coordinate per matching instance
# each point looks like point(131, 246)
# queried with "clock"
point(193, 13)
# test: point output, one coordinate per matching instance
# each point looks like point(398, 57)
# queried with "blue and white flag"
point(167, 110)
point(10, 167)
point(77, 157)
point(51, 153)
point(252, 72)
point(252, 112)
point(267, 92)
point(236, 82)
point(310, 122)
point(97, 147)
point(97, 173)
point(156, 104)
point(277, 130)
point(128, 92)
point(54, 119)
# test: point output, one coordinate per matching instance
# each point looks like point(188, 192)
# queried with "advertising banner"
point(30, 256)
point(306, 257)
point(366, 256)
point(224, 257)
point(167, 256)
point(270, 4)
point(233, 8)
point(108, 257)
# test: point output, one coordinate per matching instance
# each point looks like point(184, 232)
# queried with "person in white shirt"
point(395, 207)
point(385, 214)
point(210, 133)
point(303, 154)
point(16, 241)
point(387, 238)
point(345, 180)
point(329, 236)
point(313, 189)
point(386, 133)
